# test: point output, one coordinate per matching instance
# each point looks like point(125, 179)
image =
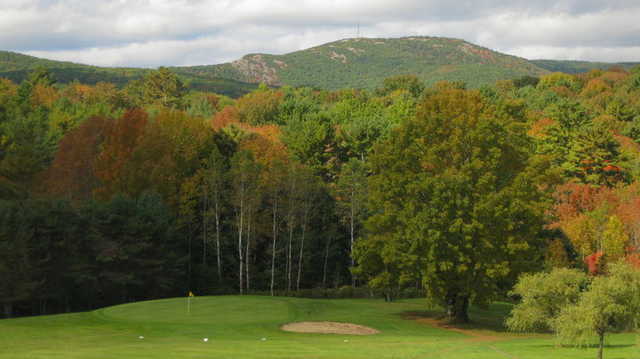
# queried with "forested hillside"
point(576, 67)
point(114, 194)
point(17, 67)
point(366, 62)
point(361, 63)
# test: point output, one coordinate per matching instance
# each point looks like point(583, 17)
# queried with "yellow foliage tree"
point(614, 239)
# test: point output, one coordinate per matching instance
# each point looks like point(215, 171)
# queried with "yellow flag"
point(191, 294)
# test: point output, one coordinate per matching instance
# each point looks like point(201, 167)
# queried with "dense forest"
point(114, 194)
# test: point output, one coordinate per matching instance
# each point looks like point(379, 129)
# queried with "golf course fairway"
point(249, 327)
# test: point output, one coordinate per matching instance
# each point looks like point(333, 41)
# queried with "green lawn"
point(236, 325)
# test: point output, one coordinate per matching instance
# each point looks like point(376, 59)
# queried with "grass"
point(236, 325)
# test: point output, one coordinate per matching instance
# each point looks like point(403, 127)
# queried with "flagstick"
point(189, 305)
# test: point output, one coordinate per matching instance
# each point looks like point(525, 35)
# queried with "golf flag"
point(189, 302)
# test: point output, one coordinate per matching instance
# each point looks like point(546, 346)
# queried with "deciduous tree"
point(453, 187)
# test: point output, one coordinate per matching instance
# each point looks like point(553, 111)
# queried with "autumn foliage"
point(601, 223)
point(121, 138)
point(72, 173)
point(451, 190)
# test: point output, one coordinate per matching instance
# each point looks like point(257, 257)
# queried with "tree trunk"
point(601, 345)
point(353, 278)
point(458, 309)
point(291, 224)
point(326, 259)
point(246, 258)
point(189, 264)
point(304, 227)
point(273, 249)
point(240, 227)
point(388, 296)
point(205, 221)
point(289, 256)
point(217, 214)
point(8, 310)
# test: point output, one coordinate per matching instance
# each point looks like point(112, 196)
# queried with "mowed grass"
point(236, 325)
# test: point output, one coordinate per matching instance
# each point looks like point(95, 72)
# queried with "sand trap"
point(328, 328)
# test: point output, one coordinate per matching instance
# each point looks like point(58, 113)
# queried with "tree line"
point(112, 195)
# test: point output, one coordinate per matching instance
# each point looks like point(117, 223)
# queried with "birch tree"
point(215, 176)
point(351, 196)
point(310, 187)
point(244, 171)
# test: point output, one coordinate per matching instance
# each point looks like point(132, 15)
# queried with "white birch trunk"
point(240, 228)
point(275, 238)
point(304, 227)
point(248, 244)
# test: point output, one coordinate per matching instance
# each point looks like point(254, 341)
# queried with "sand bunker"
point(328, 328)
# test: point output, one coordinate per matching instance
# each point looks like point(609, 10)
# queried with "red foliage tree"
point(71, 174)
point(121, 138)
point(572, 199)
point(593, 262)
point(634, 257)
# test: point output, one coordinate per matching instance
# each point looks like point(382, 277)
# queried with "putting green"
point(248, 327)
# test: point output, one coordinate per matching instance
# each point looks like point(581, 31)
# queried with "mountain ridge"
point(365, 62)
point(346, 63)
point(16, 67)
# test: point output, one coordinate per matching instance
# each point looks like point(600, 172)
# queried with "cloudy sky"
point(151, 33)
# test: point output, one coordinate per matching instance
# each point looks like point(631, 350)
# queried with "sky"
point(152, 33)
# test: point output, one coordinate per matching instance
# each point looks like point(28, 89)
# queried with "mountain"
point(16, 67)
point(575, 67)
point(349, 63)
point(366, 62)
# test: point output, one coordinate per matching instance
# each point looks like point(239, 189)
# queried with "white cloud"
point(188, 32)
point(604, 54)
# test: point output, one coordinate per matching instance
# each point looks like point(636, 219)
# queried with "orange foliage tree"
point(600, 223)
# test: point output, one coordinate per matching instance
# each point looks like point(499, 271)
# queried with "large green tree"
point(453, 194)
point(163, 87)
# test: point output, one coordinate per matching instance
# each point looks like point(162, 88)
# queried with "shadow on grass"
point(488, 324)
point(585, 346)
point(491, 318)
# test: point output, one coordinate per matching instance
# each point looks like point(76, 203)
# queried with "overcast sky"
point(151, 33)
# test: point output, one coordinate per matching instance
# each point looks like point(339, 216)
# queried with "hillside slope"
point(349, 63)
point(16, 67)
point(575, 67)
point(365, 63)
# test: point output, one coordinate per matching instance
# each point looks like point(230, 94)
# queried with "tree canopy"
point(112, 193)
point(451, 190)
